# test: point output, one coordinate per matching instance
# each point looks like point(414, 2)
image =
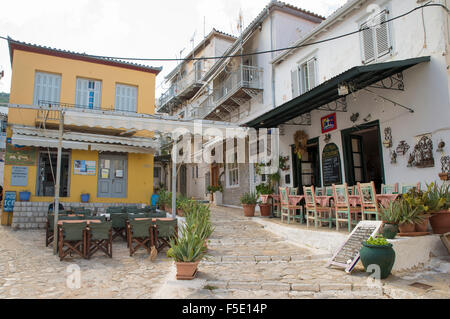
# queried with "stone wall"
point(232, 195)
point(33, 215)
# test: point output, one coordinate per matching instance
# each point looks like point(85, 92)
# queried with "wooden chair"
point(389, 189)
point(299, 218)
point(99, 237)
point(343, 209)
point(315, 212)
point(49, 230)
point(119, 225)
point(132, 216)
point(368, 199)
point(165, 230)
point(100, 218)
point(329, 191)
point(141, 233)
point(351, 190)
point(286, 207)
point(405, 187)
point(319, 191)
point(115, 210)
point(72, 236)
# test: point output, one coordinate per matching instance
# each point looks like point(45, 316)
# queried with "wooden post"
point(58, 179)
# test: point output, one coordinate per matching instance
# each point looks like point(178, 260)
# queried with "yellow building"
point(113, 166)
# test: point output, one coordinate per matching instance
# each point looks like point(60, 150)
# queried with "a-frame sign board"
point(347, 256)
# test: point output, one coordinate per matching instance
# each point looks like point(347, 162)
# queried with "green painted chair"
point(49, 230)
point(99, 237)
point(100, 218)
point(165, 230)
point(329, 191)
point(158, 214)
point(368, 199)
point(115, 210)
point(298, 217)
point(314, 212)
point(66, 217)
point(119, 225)
point(132, 216)
point(344, 212)
point(389, 189)
point(319, 191)
point(356, 190)
point(141, 233)
point(351, 190)
point(405, 187)
point(131, 209)
point(72, 236)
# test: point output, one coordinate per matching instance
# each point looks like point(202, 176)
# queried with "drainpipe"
point(273, 66)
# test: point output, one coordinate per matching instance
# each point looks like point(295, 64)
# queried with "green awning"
point(327, 92)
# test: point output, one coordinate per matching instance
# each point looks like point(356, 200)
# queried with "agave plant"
point(249, 199)
point(189, 247)
point(391, 213)
point(409, 214)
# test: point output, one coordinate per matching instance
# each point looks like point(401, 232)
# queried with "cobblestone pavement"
point(245, 261)
point(249, 262)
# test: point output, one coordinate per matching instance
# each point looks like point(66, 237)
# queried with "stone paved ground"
point(246, 261)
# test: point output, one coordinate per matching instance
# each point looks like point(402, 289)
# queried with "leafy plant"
point(391, 213)
point(264, 189)
point(378, 241)
point(165, 197)
point(409, 214)
point(249, 198)
point(189, 247)
point(437, 197)
point(212, 189)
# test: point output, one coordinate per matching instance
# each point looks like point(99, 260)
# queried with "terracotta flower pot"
point(406, 228)
point(186, 271)
point(249, 210)
point(440, 222)
point(265, 209)
point(423, 226)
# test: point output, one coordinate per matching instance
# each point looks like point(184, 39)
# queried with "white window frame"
point(90, 87)
point(300, 84)
point(377, 56)
point(124, 102)
point(232, 170)
point(45, 91)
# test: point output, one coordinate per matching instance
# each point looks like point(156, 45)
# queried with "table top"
point(154, 219)
point(89, 221)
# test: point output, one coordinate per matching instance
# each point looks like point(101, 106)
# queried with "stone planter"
point(407, 228)
point(390, 230)
point(186, 271)
point(265, 209)
point(383, 256)
point(249, 210)
point(440, 222)
point(218, 198)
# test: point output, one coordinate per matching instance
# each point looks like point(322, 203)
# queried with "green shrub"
point(378, 241)
point(249, 198)
point(264, 189)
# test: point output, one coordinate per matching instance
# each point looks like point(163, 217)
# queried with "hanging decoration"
point(441, 147)
point(283, 166)
point(300, 141)
point(387, 137)
point(402, 148)
point(327, 138)
point(393, 157)
point(445, 175)
point(422, 155)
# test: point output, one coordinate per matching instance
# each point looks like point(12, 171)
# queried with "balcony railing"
point(245, 77)
point(205, 108)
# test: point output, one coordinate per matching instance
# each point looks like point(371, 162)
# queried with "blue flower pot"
point(24, 196)
point(85, 198)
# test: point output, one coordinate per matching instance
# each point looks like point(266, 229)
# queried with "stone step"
point(261, 259)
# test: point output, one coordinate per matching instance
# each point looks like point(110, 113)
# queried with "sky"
point(128, 28)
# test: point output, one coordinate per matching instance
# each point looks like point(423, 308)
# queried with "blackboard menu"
point(331, 165)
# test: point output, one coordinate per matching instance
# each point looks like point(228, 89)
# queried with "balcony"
point(182, 90)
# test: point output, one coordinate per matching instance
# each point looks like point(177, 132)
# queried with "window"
point(157, 172)
point(126, 98)
point(198, 67)
point(195, 171)
point(88, 93)
point(375, 40)
point(304, 78)
point(47, 88)
point(232, 172)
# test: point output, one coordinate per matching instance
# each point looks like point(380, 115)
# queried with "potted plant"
point(198, 216)
point(379, 252)
point(181, 204)
point(440, 218)
point(390, 215)
point(165, 200)
point(24, 196)
point(85, 197)
point(264, 189)
point(409, 216)
point(212, 190)
point(249, 201)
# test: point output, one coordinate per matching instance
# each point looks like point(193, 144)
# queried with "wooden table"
point(95, 221)
point(384, 199)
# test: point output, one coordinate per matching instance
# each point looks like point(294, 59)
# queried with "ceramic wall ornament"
point(393, 157)
point(441, 147)
point(411, 160)
point(402, 148)
point(387, 137)
point(354, 117)
point(423, 153)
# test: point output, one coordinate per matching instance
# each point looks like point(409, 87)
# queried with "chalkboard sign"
point(347, 255)
point(331, 165)
point(10, 200)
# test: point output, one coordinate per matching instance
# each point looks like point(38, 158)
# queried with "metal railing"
point(205, 108)
point(245, 77)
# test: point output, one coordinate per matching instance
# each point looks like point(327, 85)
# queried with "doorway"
point(47, 174)
point(112, 176)
point(306, 170)
point(363, 155)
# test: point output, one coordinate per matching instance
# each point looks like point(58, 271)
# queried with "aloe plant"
point(391, 213)
point(189, 247)
point(409, 214)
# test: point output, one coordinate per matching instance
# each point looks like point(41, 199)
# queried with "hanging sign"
point(347, 255)
point(331, 165)
point(84, 167)
point(20, 155)
point(329, 123)
point(10, 200)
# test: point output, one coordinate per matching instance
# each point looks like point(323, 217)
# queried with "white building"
point(396, 72)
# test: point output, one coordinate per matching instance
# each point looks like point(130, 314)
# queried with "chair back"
point(118, 220)
point(329, 191)
point(131, 209)
point(310, 196)
point(157, 214)
point(51, 221)
point(136, 215)
point(293, 191)
point(100, 231)
point(140, 228)
point(406, 187)
point(100, 218)
point(284, 196)
point(73, 231)
point(65, 217)
point(319, 191)
point(351, 190)
point(155, 200)
point(389, 189)
point(341, 196)
point(367, 195)
point(166, 228)
point(356, 190)
point(115, 210)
